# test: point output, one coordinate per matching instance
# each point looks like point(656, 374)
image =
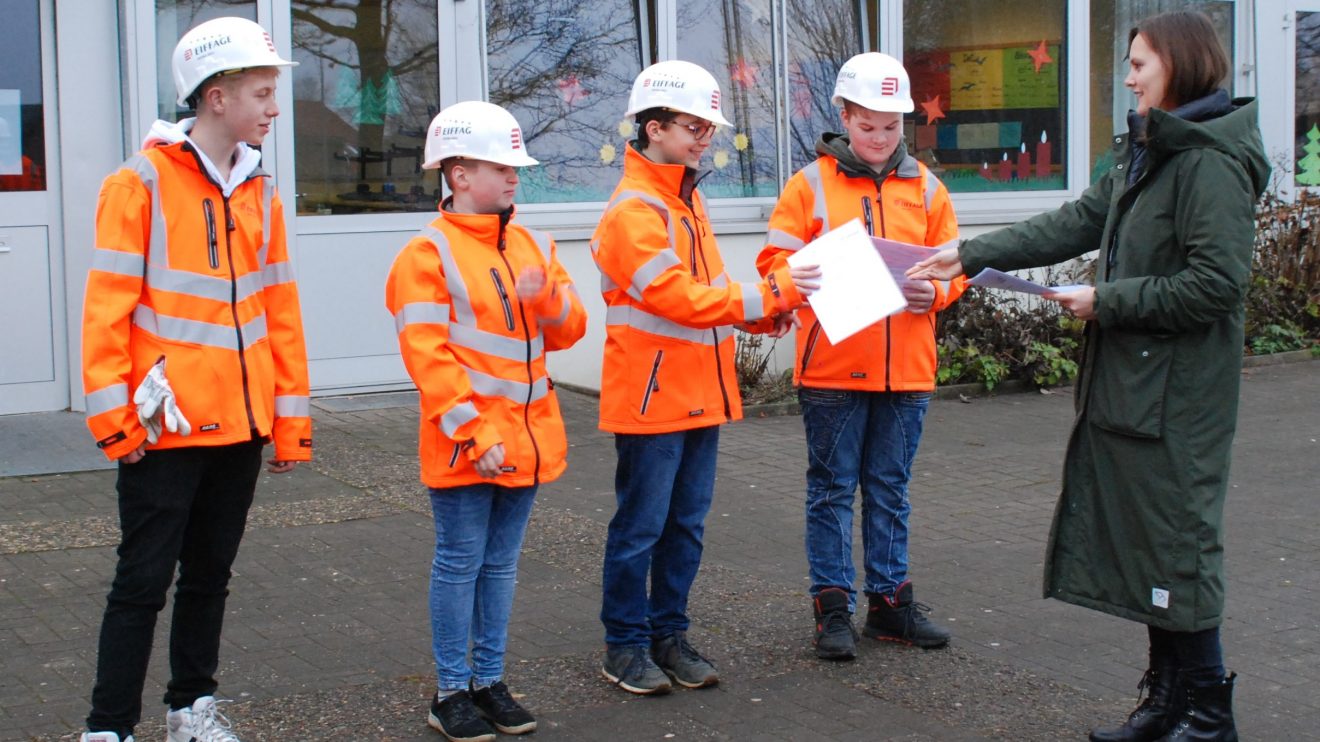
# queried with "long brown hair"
point(1189, 48)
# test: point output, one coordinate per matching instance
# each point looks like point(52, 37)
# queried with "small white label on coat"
point(1160, 597)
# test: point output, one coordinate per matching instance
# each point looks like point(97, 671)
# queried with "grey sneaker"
point(631, 668)
point(682, 663)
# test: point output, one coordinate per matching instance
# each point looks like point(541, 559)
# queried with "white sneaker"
point(104, 737)
point(201, 723)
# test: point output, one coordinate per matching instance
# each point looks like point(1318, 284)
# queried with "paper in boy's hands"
point(857, 289)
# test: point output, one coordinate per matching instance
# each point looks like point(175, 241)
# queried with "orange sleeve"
point(791, 226)
point(561, 316)
point(942, 228)
point(416, 294)
point(293, 421)
point(635, 253)
point(114, 283)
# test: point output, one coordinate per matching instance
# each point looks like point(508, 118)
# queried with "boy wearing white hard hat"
point(668, 378)
point(477, 301)
point(864, 400)
point(190, 273)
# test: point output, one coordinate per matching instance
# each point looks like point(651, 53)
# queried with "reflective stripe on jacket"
point(668, 362)
point(477, 353)
point(911, 205)
point(182, 272)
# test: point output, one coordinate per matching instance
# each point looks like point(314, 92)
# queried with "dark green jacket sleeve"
point(1214, 223)
point(1045, 239)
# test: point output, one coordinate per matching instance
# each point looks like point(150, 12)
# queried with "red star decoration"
point(571, 90)
point(1040, 56)
point(931, 107)
point(743, 73)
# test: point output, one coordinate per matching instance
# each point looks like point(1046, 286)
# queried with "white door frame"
point(25, 213)
point(1277, 30)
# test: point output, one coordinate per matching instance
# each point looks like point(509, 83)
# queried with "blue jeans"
point(868, 438)
point(663, 486)
point(478, 533)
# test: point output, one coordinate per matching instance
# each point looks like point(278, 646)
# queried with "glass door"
point(33, 358)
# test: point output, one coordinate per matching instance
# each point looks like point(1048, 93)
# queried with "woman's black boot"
point(1207, 716)
point(1155, 716)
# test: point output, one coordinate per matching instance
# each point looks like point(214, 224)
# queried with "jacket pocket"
point(652, 381)
point(212, 242)
point(1131, 376)
point(504, 297)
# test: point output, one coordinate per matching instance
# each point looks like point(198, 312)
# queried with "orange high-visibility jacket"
point(183, 272)
point(670, 306)
point(910, 205)
point(477, 353)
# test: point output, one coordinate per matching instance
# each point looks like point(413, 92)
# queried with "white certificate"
point(856, 287)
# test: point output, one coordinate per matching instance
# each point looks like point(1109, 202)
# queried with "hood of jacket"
point(247, 161)
point(838, 146)
point(1213, 122)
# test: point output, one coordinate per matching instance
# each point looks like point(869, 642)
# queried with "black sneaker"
point(457, 718)
point(836, 639)
point(631, 668)
point(676, 657)
point(496, 704)
point(901, 619)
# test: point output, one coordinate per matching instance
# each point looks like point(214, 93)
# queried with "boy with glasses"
point(668, 376)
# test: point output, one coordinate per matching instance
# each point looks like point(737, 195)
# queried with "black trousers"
point(186, 507)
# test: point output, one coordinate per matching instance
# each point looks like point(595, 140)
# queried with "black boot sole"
point(879, 635)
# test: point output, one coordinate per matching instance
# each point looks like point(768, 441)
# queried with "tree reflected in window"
point(364, 91)
point(564, 70)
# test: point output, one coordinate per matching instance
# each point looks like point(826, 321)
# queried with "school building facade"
point(1017, 105)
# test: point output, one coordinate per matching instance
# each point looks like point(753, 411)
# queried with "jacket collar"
point(174, 140)
point(679, 180)
point(484, 228)
point(900, 164)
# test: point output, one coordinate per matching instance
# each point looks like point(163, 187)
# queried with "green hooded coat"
point(1137, 529)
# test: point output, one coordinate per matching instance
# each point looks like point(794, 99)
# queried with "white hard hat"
point(476, 130)
point(221, 45)
point(679, 86)
point(875, 81)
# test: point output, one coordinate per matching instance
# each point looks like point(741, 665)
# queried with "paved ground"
point(327, 633)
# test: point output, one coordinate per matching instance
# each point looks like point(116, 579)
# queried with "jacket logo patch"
point(305, 442)
point(111, 440)
point(209, 427)
point(858, 374)
point(908, 204)
point(508, 469)
point(1159, 597)
point(695, 413)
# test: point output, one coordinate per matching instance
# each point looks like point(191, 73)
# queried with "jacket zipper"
point(889, 329)
point(692, 245)
point(504, 294)
point(212, 244)
point(453, 459)
point(230, 226)
point(812, 336)
point(652, 384)
point(527, 339)
point(714, 332)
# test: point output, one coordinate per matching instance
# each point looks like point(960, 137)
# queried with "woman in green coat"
point(1138, 530)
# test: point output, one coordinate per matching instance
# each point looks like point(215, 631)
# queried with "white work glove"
point(156, 406)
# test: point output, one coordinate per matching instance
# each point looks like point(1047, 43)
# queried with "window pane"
point(987, 78)
point(1307, 101)
point(364, 90)
point(173, 19)
point(22, 127)
point(1110, 101)
point(564, 70)
point(733, 40)
point(825, 34)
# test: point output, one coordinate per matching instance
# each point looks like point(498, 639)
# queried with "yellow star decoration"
point(740, 142)
point(607, 153)
point(625, 129)
point(721, 159)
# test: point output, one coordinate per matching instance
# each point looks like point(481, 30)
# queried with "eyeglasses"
point(699, 131)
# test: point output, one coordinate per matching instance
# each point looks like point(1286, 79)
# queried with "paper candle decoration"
point(1023, 163)
point(1043, 157)
point(1005, 169)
